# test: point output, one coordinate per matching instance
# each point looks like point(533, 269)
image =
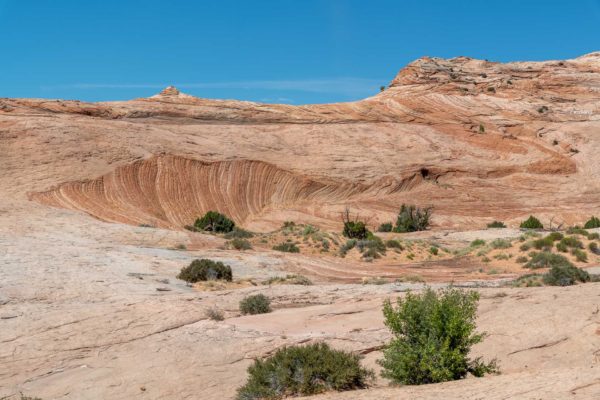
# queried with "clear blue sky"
point(295, 51)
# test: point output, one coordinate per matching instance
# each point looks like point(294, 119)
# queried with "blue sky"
point(291, 51)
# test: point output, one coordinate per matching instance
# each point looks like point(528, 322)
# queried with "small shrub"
point(565, 275)
point(309, 230)
point(255, 304)
point(592, 223)
point(433, 334)
point(501, 256)
point(287, 247)
point(385, 227)
point(288, 224)
point(346, 247)
point(531, 223)
point(215, 314)
point(545, 243)
point(289, 280)
point(546, 259)
point(412, 219)
point(303, 371)
point(372, 247)
point(205, 270)
point(411, 278)
point(521, 259)
point(529, 280)
point(555, 236)
point(481, 128)
point(393, 244)
point(496, 224)
point(238, 233)
point(562, 247)
point(593, 246)
point(577, 230)
point(526, 246)
point(500, 244)
point(594, 236)
point(572, 242)
point(240, 244)
point(477, 242)
point(433, 250)
point(353, 227)
point(580, 255)
point(214, 221)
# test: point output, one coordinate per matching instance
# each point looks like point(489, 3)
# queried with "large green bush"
point(433, 334)
point(565, 275)
point(214, 221)
point(593, 222)
point(303, 371)
point(546, 259)
point(385, 227)
point(353, 227)
point(205, 270)
point(412, 219)
point(255, 304)
point(532, 223)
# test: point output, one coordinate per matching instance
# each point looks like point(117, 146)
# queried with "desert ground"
point(95, 198)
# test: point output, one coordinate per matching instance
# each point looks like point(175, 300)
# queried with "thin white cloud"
point(346, 86)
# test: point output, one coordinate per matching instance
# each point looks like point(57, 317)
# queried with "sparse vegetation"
point(385, 227)
point(592, 223)
point(238, 233)
point(205, 270)
point(572, 242)
point(580, 255)
point(393, 244)
point(412, 219)
point(433, 334)
point(522, 259)
point(240, 244)
point(477, 243)
point(287, 247)
point(289, 280)
point(214, 221)
point(255, 304)
point(500, 244)
point(531, 223)
point(496, 224)
point(346, 247)
point(303, 371)
point(215, 314)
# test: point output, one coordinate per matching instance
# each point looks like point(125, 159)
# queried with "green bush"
point(565, 275)
point(372, 247)
point(592, 223)
point(205, 270)
point(309, 230)
point(545, 259)
point(593, 246)
point(577, 230)
point(433, 334)
point(240, 244)
point(385, 227)
point(544, 243)
point(580, 255)
point(434, 250)
point(238, 233)
point(562, 247)
point(412, 219)
point(393, 244)
point(346, 247)
point(500, 244)
point(496, 224)
point(555, 236)
point(572, 242)
point(214, 221)
point(594, 236)
point(526, 246)
point(531, 223)
point(255, 304)
point(353, 227)
point(304, 371)
point(477, 242)
point(287, 247)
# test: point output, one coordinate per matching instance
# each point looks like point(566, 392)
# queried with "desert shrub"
point(255, 304)
point(565, 275)
point(545, 259)
point(496, 224)
point(562, 247)
point(555, 236)
point(289, 280)
point(393, 244)
point(215, 314)
point(214, 221)
point(205, 270)
point(580, 255)
point(592, 223)
point(372, 247)
point(531, 223)
point(238, 233)
point(572, 242)
point(529, 280)
point(522, 259)
point(346, 247)
point(309, 230)
point(240, 244)
point(385, 227)
point(500, 244)
point(526, 246)
point(287, 247)
point(593, 246)
point(544, 243)
point(303, 371)
point(501, 256)
point(412, 278)
point(477, 242)
point(434, 250)
point(577, 230)
point(353, 227)
point(412, 219)
point(433, 334)
point(594, 236)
